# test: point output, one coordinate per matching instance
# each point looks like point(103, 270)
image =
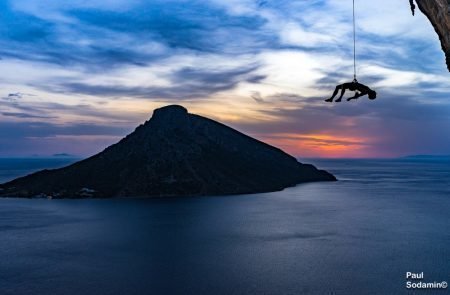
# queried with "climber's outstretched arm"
point(356, 96)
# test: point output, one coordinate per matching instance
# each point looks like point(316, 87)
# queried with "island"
point(174, 154)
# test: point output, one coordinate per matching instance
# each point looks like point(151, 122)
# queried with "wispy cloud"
point(25, 115)
point(186, 83)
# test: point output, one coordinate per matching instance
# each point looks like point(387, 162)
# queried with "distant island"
point(426, 157)
point(173, 154)
point(63, 155)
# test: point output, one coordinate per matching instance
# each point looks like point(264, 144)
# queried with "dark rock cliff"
point(437, 11)
point(173, 154)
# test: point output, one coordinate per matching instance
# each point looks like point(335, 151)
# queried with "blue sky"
point(79, 75)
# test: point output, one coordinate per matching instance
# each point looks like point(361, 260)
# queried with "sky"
point(77, 76)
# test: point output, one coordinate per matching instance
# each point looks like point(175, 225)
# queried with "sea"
point(360, 235)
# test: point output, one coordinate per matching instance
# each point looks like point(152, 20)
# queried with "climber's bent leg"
point(334, 94)
point(342, 94)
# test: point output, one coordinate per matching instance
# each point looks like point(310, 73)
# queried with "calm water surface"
point(356, 236)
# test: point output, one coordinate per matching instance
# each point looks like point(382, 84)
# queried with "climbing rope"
point(354, 42)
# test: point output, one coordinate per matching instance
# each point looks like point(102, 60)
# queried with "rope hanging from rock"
point(354, 43)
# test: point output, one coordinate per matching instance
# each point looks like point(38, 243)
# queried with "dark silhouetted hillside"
point(173, 154)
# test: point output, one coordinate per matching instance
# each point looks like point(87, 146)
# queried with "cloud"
point(56, 112)
point(14, 97)
point(102, 36)
point(186, 83)
point(257, 97)
point(25, 116)
point(392, 125)
point(47, 138)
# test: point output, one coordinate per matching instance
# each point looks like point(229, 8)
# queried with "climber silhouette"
point(359, 88)
point(413, 7)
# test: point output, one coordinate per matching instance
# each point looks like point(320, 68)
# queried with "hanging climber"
point(360, 90)
point(413, 6)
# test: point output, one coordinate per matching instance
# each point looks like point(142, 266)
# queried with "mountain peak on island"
point(170, 112)
point(171, 109)
point(170, 116)
point(175, 153)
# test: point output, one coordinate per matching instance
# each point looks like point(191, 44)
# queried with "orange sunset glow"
point(320, 145)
